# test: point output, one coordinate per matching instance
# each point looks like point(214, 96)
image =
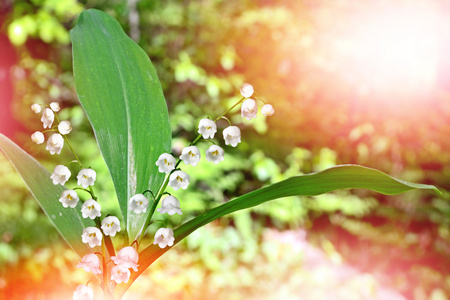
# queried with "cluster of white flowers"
point(190, 155)
point(127, 258)
point(55, 142)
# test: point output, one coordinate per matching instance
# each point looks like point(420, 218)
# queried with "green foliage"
point(37, 178)
point(122, 97)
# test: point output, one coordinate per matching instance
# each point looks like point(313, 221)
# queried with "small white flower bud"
point(267, 110)
point(92, 236)
point(69, 198)
point(55, 106)
point(36, 108)
point(215, 154)
point(110, 225)
point(48, 116)
point(138, 203)
point(86, 178)
point(170, 205)
point(90, 263)
point(207, 128)
point(65, 127)
point(166, 163)
point(232, 135)
point(246, 90)
point(60, 175)
point(83, 292)
point(249, 109)
point(190, 155)
point(38, 137)
point(164, 237)
point(55, 143)
point(91, 209)
point(179, 179)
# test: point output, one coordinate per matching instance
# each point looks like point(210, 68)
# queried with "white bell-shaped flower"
point(267, 110)
point(138, 203)
point(83, 292)
point(86, 178)
point(232, 135)
point(249, 109)
point(179, 179)
point(36, 108)
point(207, 128)
point(170, 205)
point(120, 273)
point(91, 209)
point(48, 116)
point(127, 257)
point(55, 143)
point(55, 106)
point(69, 198)
point(90, 263)
point(111, 225)
point(60, 175)
point(215, 154)
point(164, 237)
point(190, 155)
point(38, 137)
point(92, 236)
point(247, 90)
point(65, 127)
point(166, 163)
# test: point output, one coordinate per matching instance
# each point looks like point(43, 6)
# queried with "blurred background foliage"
point(335, 102)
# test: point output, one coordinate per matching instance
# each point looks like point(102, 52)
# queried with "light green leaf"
point(339, 177)
point(122, 97)
point(68, 221)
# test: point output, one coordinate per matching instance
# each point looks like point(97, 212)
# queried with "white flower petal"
point(215, 154)
point(179, 179)
point(207, 128)
point(190, 155)
point(69, 198)
point(55, 143)
point(48, 116)
point(267, 110)
point(83, 292)
point(36, 108)
point(91, 209)
point(249, 109)
point(60, 175)
point(86, 178)
point(92, 236)
point(166, 163)
point(232, 135)
point(170, 205)
point(55, 106)
point(246, 90)
point(111, 225)
point(65, 127)
point(138, 203)
point(164, 237)
point(38, 137)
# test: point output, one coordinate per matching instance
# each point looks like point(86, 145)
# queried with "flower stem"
point(166, 181)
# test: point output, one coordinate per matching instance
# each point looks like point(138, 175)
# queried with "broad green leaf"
point(122, 97)
point(68, 221)
point(339, 177)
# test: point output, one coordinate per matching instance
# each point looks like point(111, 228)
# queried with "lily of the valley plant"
point(120, 92)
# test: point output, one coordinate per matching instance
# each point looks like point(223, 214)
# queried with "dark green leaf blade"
point(122, 97)
point(68, 221)
point(339, 177)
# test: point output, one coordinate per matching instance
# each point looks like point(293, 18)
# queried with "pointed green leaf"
point(68, 221)
point(122, 97)
point(339, 177)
